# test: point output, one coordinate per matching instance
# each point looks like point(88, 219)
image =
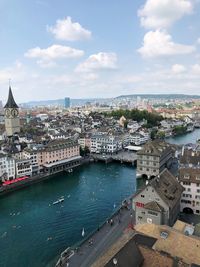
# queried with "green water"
point(185, 139)
point(33, 232)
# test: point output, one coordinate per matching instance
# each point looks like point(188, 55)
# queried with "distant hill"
point(81, 102)
point(165, 96)
point(60, 102)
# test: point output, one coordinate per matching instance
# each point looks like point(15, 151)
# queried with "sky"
point(53, 49)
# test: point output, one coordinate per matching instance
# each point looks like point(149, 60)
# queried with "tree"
point(84, 151)
point(153, 119)
point(161, 135)
point(178, 130)
point(87, 150)
point(125, 124)
point(153, 133)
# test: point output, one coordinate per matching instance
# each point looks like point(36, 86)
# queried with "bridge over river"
point(122, 156)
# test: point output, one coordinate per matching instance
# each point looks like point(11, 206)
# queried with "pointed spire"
point(11, 102)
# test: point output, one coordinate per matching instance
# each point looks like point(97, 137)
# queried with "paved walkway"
point(102, 239)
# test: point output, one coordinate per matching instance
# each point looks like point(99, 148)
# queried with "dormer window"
point(198, 177)
point(186, 176)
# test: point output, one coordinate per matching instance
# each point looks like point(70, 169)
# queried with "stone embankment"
point(33, 180)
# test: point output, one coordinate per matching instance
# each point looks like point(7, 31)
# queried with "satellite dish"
point(115, 261)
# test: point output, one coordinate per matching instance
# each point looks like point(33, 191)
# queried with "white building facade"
point(105, 144)
point(7, 167)
point(190, 199)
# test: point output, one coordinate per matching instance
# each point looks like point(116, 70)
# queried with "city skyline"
point(99, 49)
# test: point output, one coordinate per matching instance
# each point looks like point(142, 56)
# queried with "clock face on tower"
point(7, 113)
point(14, 112)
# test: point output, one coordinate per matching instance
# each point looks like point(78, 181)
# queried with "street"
point(103, 238)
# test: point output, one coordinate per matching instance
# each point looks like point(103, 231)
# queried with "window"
point(186, 176)
point(185, 201)
point(142, 196)
point(198, 190)
point(187, 195)
point(198, 177)
point(197, 211)
point(152, 213)
point(189, 189)
point(186, 183)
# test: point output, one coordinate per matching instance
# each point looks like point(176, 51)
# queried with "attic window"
point(187, 176)
point(164, 235)
point(198, 177)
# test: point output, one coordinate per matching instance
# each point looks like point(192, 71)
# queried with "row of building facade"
point(36, 159)
point(164, 195)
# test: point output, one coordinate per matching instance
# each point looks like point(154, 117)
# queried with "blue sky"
point(91, 48)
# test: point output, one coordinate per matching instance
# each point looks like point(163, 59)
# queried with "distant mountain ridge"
point(60, 102)
point(81, 102)
point(167, 96)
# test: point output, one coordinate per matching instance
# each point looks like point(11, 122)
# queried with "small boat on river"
point(58, 201)
point(83, 233)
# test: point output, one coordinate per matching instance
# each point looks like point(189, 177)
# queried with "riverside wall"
point(4, 190)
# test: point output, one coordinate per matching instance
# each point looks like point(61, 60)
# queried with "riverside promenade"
point(95, 245)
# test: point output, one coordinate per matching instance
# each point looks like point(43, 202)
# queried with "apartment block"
point(158, 201)
point(153, 158)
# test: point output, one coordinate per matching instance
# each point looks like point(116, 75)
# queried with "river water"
point(33, 232)
point(185, 139)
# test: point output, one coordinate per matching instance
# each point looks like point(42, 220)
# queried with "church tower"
point(12, 123)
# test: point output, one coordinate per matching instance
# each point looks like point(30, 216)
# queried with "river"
point(33, 232)
point(185, 139)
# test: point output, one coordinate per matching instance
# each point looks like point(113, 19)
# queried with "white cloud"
point(69, 31)
point(198, 41)
point(15, 73)
point(47, 56)
point(100, 61)
point(130, 78)
point(90, 76)
point(177, 68)
point(196, 69)
point(163, 13)
point(159, 43)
